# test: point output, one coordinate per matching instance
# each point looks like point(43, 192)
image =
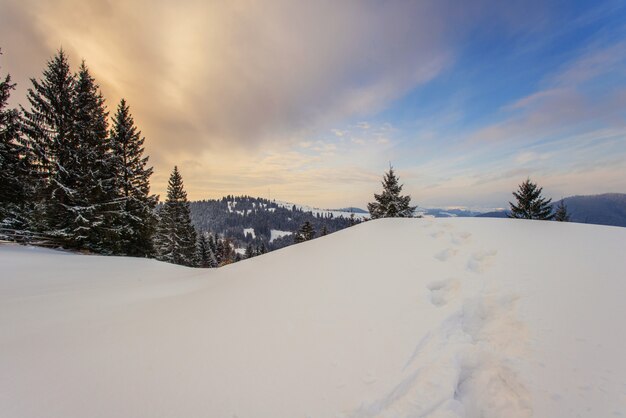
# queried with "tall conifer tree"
point(13, 163)
point(176, 236)
point(97, 201)
point(530, 204)
point(49, 126)
point(561, 214)
point(133, 179)
point(305, 233)
point(205, 256)
point(390, 204)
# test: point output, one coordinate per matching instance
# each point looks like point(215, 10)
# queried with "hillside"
point(461, 317)
point(603, 209)
point(249, 220)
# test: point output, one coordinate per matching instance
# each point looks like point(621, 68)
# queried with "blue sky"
point(311, 101)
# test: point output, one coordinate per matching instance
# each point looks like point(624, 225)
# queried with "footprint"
point(441, 291)
point(481, 261)
point(437, 234)
point(446, 254)
point(461, 238)
point(369, 378)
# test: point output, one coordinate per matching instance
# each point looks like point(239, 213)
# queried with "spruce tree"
point(250, 251)
point(225, 252)
point(212, 239)
point(305, 233)
point(96, 204)
point(176, 236)
point(561, 214)
point(205, 256)
point(530, 204)
point(49, 127)
point(138, 220)
point(390, 204)
point(13, 163)
point(324, 231)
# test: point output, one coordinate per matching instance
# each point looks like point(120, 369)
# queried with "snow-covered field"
point(455, 317)
point(275, 234)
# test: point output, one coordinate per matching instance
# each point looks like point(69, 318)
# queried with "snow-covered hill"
point(392, 318)
point(346, 213)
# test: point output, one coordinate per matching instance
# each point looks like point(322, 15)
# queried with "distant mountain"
point(351, 210)
point(494, 214)
point(447, 212)
point(602, 209)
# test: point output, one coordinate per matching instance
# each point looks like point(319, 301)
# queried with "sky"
point(311, 101)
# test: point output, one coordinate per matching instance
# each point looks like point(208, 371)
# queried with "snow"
point(250, 231)
point(451, 317)
point(275, 234)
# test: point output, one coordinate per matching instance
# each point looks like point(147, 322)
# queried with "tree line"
point(72, 177)
point(235, 216)
point(68, 175)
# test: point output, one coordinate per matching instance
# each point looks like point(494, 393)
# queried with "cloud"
point(203, 73)
point(596, 61)
point(247, 95)
point(574, 99)
point(530, 156)
point(201, 76)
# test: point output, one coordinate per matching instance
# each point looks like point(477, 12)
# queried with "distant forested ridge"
point(251, 220)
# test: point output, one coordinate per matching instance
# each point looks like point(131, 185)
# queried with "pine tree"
point(212, 239)
point(96, 203)
point(250, 252)
point(225, 251)
point(13, 163)
point(324, 231)
point(138, 220)
point(205, 256)
point(390, 204)
point(561, 214)
point(530, 203)
point(305, 233)
point(176, 236)
point(49, 127)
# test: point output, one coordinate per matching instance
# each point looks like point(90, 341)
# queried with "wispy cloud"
point(248, 96)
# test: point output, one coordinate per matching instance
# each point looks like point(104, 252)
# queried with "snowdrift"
point(391, 318)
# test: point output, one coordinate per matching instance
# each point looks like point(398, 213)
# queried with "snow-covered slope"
point(392, 318)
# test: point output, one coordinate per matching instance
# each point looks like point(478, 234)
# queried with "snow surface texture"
point(391, 318)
